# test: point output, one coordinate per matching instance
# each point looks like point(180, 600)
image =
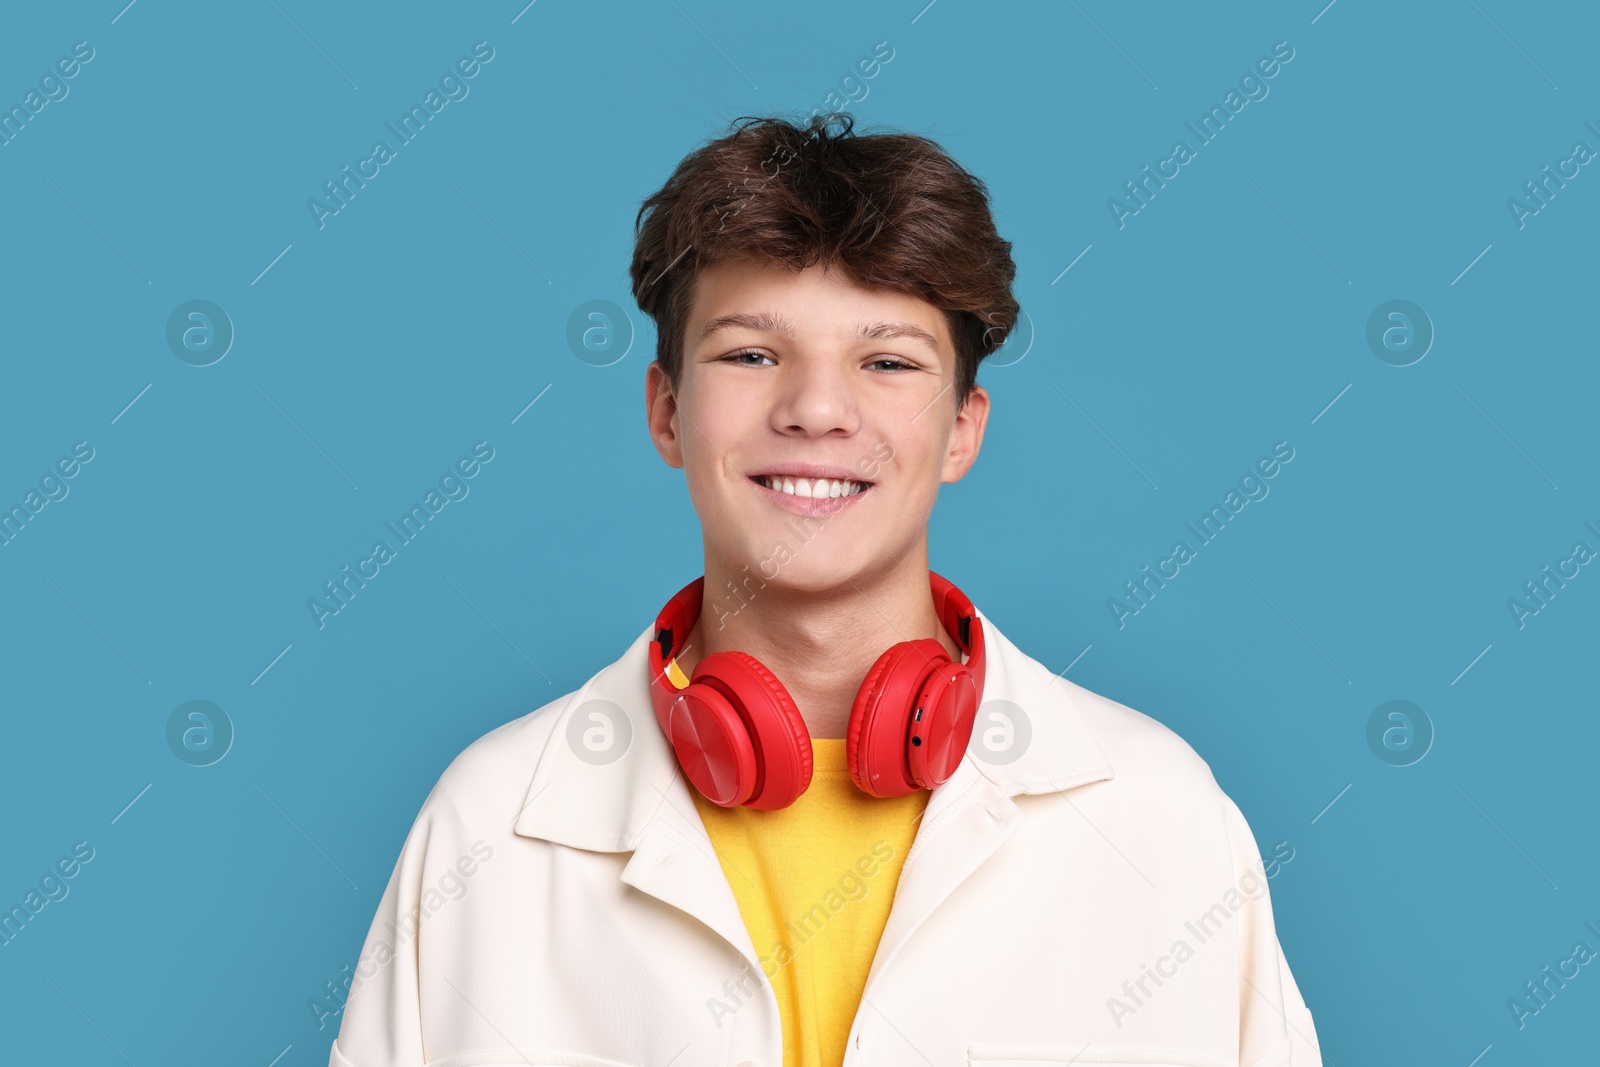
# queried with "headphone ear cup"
point(772, 725)
point(949, 699)
point(712, 743)
point(854, 745)
point(878, 742)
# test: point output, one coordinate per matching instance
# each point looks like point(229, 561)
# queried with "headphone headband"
point(679, 615)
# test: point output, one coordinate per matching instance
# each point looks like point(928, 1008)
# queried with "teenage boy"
point(821, 810)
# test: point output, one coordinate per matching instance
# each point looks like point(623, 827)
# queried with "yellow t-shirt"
point(814, 882)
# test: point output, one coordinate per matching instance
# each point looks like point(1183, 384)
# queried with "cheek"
point(918, 457)
point(716, 419)
point(911, 470)
point(713, 484)
point(698, 476)
point(921, 498)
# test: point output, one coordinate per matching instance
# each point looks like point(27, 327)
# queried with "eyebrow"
point(769, 323)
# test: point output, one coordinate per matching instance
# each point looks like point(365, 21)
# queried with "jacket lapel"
point(972, 814)
point(671, 865)
point(966, 820)
point(640, 801)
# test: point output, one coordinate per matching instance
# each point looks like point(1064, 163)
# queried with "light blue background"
point(1224, 317)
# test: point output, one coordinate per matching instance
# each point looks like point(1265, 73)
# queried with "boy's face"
point(785, 376)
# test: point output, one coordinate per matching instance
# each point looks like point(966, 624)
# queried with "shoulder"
point(1161, 802)
point(1078, 737)
point(487, 782)
point(1156, 777)
point(1139, 746)
point(1158, 774)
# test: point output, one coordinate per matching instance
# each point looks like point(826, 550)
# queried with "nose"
point(816, 398)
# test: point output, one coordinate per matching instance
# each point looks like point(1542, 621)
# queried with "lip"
point(812, 470)
point(810, 506)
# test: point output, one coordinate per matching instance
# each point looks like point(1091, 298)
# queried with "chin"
point(786, 562)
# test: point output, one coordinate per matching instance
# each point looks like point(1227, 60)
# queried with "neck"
point(820, 642)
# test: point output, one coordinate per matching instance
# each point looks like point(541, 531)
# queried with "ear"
point(661, 413)
point(966, 435)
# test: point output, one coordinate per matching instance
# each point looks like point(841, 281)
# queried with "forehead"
point(817, 302)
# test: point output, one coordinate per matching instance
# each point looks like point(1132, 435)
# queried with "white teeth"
point(815, 488)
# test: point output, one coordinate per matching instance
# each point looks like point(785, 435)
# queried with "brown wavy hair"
point(891, 210)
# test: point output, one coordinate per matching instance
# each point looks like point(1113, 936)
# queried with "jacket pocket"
point(1087, 1056)
point(510, 1057)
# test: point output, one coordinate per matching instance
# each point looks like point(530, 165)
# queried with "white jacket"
point(1096, 900)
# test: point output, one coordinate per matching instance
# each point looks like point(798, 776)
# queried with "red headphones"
point(740, 739)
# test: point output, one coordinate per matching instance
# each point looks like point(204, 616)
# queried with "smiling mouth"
point(811, 488)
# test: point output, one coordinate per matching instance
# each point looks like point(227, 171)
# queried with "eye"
point(737, 356)
point(894, 363)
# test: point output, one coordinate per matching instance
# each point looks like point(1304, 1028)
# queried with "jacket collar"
point(605, 807)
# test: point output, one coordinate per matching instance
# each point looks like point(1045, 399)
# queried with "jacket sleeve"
point(1275, 1027)
point(382, 1021)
